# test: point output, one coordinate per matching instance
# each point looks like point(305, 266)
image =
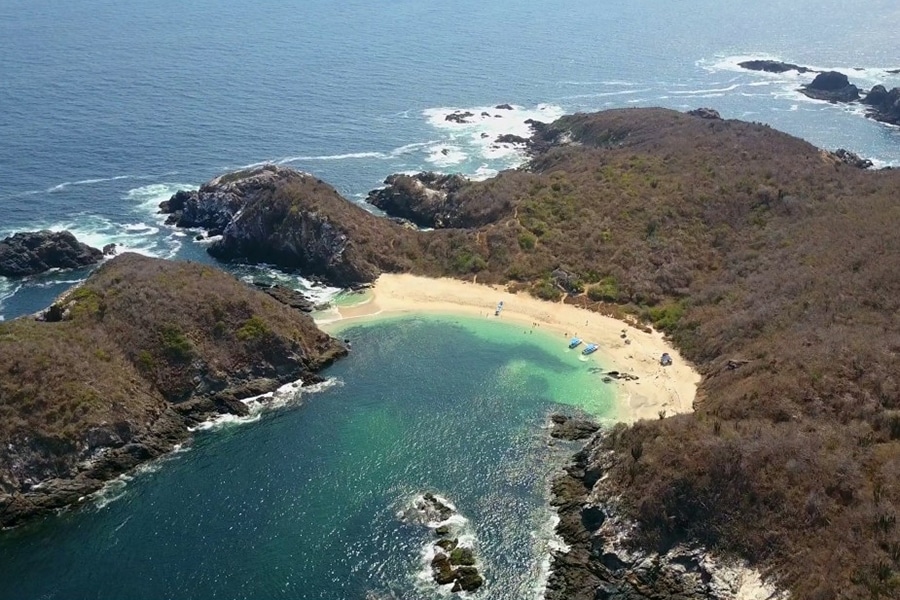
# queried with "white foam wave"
point(609, 82)
point(475, 137)
point(290, 394)
point(99, 231)
point(863, 77)
point(318, 293)
point(607, 94)
point(115, 489)
point(66, 184)
point(146, 199)
point(395, 153)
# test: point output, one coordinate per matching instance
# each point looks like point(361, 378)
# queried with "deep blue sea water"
point(106, 108)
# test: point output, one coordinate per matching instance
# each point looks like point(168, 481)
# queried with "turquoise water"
point(303, 502)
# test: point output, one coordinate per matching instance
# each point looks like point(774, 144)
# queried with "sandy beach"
point(670, 389)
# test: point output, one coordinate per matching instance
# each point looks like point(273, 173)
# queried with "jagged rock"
point(705, 113)
point(459, 116)
point(600, 563)
point(447, 545)
point(442, 570)
point(33, 252)
point(883, 105)
point(462, 556)
point(292, 220)
point(852, 159)
point(509, 138)
point(468, 579)
point(285, 295)
point(831, 86)
point(567, 428)
point(426, 199)
point(110, 249)
point(504, 107)
point(773, 66)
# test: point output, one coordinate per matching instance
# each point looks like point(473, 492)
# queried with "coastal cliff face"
point(291, 220)
point(119, 367)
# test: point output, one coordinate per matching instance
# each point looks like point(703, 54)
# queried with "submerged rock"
point(33, 252)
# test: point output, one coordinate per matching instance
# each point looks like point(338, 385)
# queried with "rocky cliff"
point(115, 372)
point(292, 220)
point(33, 252)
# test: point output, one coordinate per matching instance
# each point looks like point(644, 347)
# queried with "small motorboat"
point(590, 348)
point(574, 342)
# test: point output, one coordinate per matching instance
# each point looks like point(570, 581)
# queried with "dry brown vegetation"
point(143, 339)
point(743, 244)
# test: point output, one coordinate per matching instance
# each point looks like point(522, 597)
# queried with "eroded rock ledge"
point(600, 564)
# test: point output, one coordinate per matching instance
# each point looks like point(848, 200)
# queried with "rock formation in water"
point(453, 562)
point(883, 105)
point(119, 367)
point(831, 86)
point(773, 66)
point(33, 252)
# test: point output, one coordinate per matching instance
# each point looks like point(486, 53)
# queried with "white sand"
point(670, 389)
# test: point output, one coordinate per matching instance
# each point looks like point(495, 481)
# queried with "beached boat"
point(590, 348)
point(574, 342)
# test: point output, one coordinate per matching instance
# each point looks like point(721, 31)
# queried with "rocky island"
point(33, 252)
point(834, 86)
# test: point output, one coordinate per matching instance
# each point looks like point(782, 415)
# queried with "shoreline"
point(672, 388)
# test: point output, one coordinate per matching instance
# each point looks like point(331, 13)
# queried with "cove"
point(303, 502)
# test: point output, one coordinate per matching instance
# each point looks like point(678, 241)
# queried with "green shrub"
point(175, 345)
point(254, 329)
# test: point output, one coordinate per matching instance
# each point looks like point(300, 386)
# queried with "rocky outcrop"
point(122, 365)
point(453, 562)
point(600, 564)
point(459, 116)
point(831, 86)
point(216, 203)
point(509, 138)
point(287, 296)
point(292, 220)
point(569, 428)
point(851, 158)
point(883, 105)
point(426, 199)
point(705, 113)
point(33, 252)
point(773, 66)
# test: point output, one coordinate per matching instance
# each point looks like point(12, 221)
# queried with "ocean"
point(107, 108)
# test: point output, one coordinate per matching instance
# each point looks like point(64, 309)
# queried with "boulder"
point(504, 107)
point(33, 252)
point(831, 86)
point(468, 579)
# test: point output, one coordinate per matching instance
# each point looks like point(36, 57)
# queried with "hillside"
point(124, 363)
point(772, 264)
